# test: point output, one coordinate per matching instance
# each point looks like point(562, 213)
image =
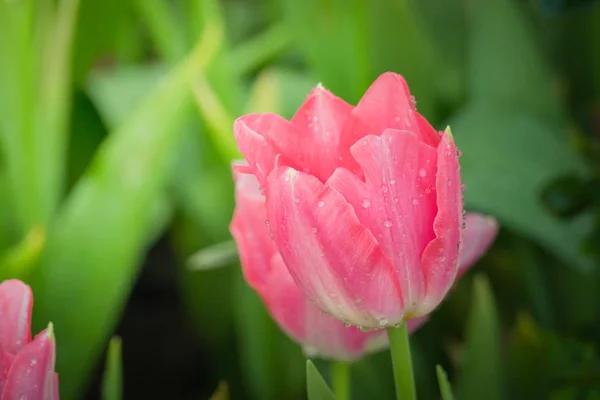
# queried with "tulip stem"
point(402, 363)
point(340, 377)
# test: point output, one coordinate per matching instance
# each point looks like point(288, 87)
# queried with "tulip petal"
point(253, 133)
point(331, 256)
point(250, 231)
point(440, 258)
point(308, 142)
point(31, 374)
point(321, 334)
point(321, 119)
point(16, 302)
point(396, 202)
point(387, 104)
point(5, 362)
point(478, 235)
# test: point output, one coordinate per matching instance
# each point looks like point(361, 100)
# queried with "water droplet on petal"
point(413, 100)
point(393, 182)
point(314, 230)
point(366, 203)
point(415, 202)
point(267, 222)
point(387, 223)
point(384, 189)
point(364, 328)
point(463, 186)
point(383, 322)
point(422, 173)
point(428, 190)
point(296, 199)
point(347, 325)
point(365, 142)
point(395, 199)
point(320, 203)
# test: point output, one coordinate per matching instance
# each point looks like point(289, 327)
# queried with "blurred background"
point(116, 191)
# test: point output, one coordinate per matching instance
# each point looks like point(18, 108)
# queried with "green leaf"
point(316, 387)
point(505, 63)
point(508, 158)
point(480, 375)
point(18, 262)
point(112, 385)
point(214, 256)
point(445, 388)
point(268, 358)
point(93, 40)
point(83, 287)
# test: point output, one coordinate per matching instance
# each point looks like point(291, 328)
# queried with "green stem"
point(341, 380)
point(402, 363)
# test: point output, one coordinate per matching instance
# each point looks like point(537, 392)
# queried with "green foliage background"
point(115, 134)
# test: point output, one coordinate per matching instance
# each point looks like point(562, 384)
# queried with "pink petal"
point(31, 374)
point(440, 258)
point(321, 119)
point(387, 104)
point(308, 142)
point(5, 363)
point(320, 334)
point(250, 231)
point(334, 259)
point(16, 302)
point(478, 235)
point(397, 202)
point(253, 133)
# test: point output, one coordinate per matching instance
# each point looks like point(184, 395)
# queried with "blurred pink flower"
point(265, 271)
point(365, 202)
point(26, 365)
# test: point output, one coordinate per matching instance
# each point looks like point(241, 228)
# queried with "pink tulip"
point(26, 365)
point(365, 202)
point(265, 271)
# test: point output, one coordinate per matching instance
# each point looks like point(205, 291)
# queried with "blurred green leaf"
point(214, 256)
point(112, 385)
point(222, 392)
point(93, 40)
point(481, 373)
point(316, 387)
point(270, 361)
point(508, 159)
point(83, 288)
point(445, 388)
point(20, 261)
point(505, 64)
point(166, 31)
point(260, 49)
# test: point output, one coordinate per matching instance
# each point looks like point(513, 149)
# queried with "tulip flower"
point(26, 365)
point(364, 203)
point(264, 269)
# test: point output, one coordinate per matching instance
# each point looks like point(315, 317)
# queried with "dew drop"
point(463, 186)
point(387, 223)
point(413, 100)
point(267, 223)
point(347, 325)
point(320, 203)
point(365, 142)
point(287, 178)
point(428, 190)
point(314, 230)
point(383, 322)
point(296, 199)
point(364, 328)
point(384, 189)
point(422, 173)
point(395, 199)
point(366, 203)
point(415, 202)
point(393, 182)
point(33, 362)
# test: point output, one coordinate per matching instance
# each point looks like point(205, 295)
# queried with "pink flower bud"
point(26, 366)
point(364, 203)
